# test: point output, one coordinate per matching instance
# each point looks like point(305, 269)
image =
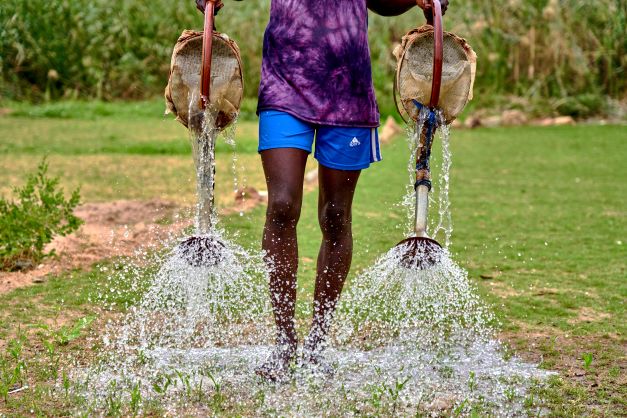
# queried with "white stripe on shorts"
point(376, 156)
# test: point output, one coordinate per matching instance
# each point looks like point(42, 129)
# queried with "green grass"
point(83, 128)
point(539, 212)
point(115, 151)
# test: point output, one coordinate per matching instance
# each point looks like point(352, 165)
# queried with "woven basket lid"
point(182, 93)
point(414, 72)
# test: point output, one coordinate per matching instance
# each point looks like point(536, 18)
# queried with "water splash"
point(183, 308)
point(403, 342)
point(430, 330)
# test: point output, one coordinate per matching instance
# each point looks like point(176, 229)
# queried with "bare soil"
point(587, 314)
point(563, 352)
point(118, 228)
point(111, 229)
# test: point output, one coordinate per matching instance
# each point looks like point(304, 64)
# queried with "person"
point(316, 83)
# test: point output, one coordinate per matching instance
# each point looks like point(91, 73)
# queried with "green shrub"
point(581, 106)
point(39, 213)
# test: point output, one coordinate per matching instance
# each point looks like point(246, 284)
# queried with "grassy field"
point(539, 216)
point(116, 151)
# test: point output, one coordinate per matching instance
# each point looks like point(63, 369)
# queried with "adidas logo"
point(355, 142)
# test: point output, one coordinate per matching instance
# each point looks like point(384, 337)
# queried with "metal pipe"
point(422, 207)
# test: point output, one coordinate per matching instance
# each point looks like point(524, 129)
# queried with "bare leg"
point(336, 191)
point(284, 169)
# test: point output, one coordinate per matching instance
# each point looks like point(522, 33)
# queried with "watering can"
point(206, 68)
point(204, 91)
point(430, 100)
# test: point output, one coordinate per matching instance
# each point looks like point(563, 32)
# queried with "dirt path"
point(112, 229)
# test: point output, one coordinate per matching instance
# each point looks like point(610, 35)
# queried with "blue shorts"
point(337, 147)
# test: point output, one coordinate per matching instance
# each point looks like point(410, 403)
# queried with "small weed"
point(379, 393)
point(162, 384)
point(185, 381)
point(376, 395)
point(508, 353)
point(51, 370)
point(198, 390)
point(66, 383)
point(113, 402)
point(64, 334)
point(218, 397)
point(141, 358)
point(587, 360)
point(260, 399)
point(510, 394)
point(446, 372)
point(12, 367)
point(136, 399)
point(459, 409)
point(529, 401)
point(472, 381)
point(395, 391)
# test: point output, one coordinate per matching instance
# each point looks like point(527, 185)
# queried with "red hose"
point(207, 44)
point(438, 52)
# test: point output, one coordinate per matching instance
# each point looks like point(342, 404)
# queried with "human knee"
point(283, 211)
point(335, 220)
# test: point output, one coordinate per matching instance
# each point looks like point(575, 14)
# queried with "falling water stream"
point(404, 342)
point(203, 151)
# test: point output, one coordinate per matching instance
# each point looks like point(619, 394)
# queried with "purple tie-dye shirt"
point(316, 62)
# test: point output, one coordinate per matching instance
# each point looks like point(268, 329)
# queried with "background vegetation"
point(567, 55)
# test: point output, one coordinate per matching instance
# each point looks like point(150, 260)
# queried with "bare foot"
point(277, 367)
point(312, 358)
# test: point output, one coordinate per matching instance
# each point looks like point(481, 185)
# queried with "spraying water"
point(185, 309)
point(403, 341)
point(203, 139)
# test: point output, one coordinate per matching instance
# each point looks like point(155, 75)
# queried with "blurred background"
point(547, 58)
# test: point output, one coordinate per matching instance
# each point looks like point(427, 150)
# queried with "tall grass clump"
point(570, 54)
point(88, 48)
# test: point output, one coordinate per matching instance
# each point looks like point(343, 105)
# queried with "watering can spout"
point(204, 249)
point(421, 251)
point(429, 104)
point(421, 210)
